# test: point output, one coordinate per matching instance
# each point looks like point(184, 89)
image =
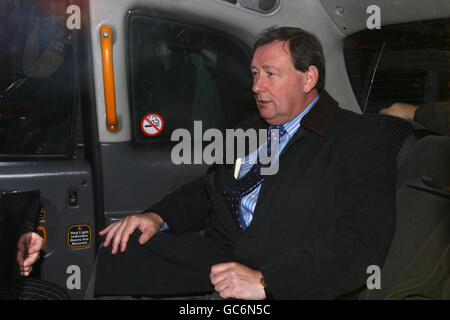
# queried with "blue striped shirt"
point(248, 202)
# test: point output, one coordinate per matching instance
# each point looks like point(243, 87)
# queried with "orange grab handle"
point(106, 40)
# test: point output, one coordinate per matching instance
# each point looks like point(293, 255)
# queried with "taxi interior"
point(75, 133)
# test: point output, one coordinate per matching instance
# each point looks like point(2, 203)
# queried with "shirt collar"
point(292, 126)
point(318, 119)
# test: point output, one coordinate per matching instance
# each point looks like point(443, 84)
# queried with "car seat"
point(415, 266)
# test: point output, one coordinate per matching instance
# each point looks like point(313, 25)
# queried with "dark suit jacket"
point(327, 215)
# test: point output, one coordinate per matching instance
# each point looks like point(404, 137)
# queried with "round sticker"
point(152, 124)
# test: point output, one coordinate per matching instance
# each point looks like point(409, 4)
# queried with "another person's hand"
point(234, 280)
point(119, 232)
point(28, 249)
point(401, 110)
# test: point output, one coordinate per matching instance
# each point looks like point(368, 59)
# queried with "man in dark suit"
point(310, 231)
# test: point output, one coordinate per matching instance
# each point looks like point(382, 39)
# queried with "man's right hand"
point(119, 232)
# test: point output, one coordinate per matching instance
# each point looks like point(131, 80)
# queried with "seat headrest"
point(399, 129)
point(403, 134)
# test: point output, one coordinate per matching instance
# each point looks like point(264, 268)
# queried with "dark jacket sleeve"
point(185, 209)
point(336, 263)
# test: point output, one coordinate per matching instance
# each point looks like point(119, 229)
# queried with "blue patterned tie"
point(234, 192)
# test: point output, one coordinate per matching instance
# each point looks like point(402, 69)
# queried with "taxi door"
point(160, 67)
point(43, 125)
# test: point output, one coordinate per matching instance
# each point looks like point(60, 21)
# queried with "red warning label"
point(152, 124)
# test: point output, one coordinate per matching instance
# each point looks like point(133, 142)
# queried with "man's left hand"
point(234, 280)
point(28, 249)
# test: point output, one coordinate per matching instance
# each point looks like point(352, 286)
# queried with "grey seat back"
point(423, 202)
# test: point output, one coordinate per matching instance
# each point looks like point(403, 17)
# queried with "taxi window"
point(407, 62)
point(36, 82)
point(184, 74)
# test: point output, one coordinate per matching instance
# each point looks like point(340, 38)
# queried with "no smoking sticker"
point(152, 124)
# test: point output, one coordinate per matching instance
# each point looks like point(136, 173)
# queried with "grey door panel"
point(67, 197)
point(134, 179)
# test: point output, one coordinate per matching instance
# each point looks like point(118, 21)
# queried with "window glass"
point(36, 80)
point(186, 74)
point(407, 62)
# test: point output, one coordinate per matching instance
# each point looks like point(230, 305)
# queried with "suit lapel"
point(315, 123)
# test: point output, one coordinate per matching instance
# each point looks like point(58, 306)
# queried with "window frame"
point(164, 18)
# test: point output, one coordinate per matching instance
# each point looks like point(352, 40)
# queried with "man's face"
point(279, 88)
